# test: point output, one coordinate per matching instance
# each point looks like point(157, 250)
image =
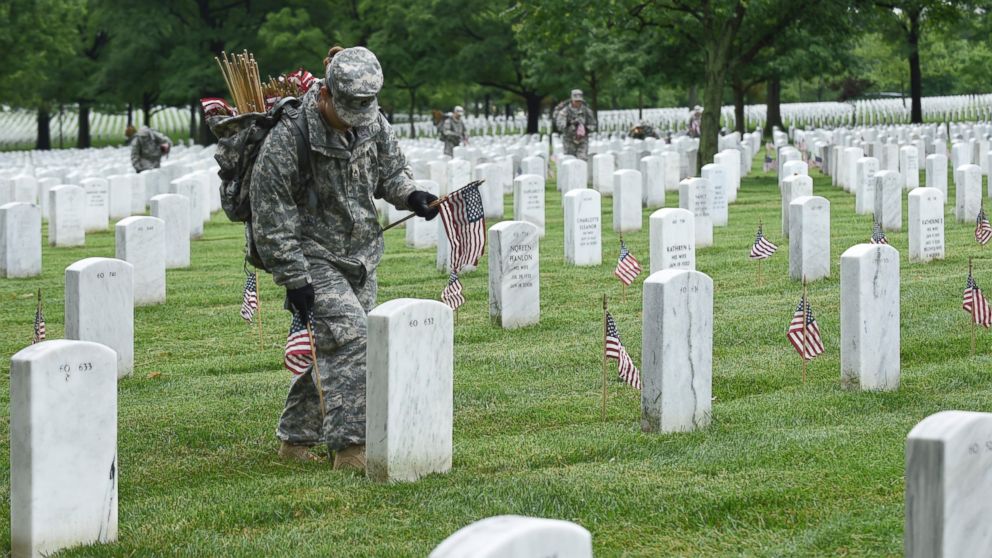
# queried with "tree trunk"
point(640, 105)
point(44, 130)
point(774, 105)
point(130, 114)
point(739, 101)
point(146, 108)
point(193, 106)
point(83, 139)
point(693, 95)
point(413, 105)
point(533, 111)
point(915, 74)
point(509, 110)
point(709, 134)
point(488, 107)
point(594, 85)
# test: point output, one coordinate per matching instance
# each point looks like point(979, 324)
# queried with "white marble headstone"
point(652, 182)
point(864, 203)
point(141, 242)
point(968, 193)
point(572, 175)
point(173, 209)
point(63, 447)
point(888, 200)
point(419, 232)
point(513, 536)
point(119, 189)
point(809, 238)
point(716, 175)
point(409, 390)
point(188, 187)
point(583, 227)
point(696, 195)
point(67, 209)
point(97, 212)
point(672, 238)
point(869, 317)
point(926, 225)
point(626, 201)
point(528, 199)
point(948, 486)
point(793, 187)
point(671, 170)
point(20, 240)
point(909, 167)
point(514, 274)
point(99, 306)
point(677, 351)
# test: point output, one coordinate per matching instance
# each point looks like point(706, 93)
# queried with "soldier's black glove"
point(301, 300)
point(420, 202)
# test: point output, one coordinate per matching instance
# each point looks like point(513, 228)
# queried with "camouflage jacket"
point(453, 131)
point(569, 117)
point(146, 148)
point(326, 211)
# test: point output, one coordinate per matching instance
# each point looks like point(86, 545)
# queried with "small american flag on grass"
point(616, 351)
point(628, 268)
point(762, 249)
point(807, 342)
point(39, 323)
point(452, 293)
point(877, 234)
point(299, 346)
point(975, 303)
point(249, 299)
point(983, 231)
point(465, 225)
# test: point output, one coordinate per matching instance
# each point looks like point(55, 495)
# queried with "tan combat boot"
point(294, 452)
point(351, 457)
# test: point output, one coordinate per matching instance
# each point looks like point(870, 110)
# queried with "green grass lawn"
point(785, 469)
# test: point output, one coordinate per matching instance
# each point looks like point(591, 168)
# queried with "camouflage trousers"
point(449, 148)
point(339, 329)
point(578, 148)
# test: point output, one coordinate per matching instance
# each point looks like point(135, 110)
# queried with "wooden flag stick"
point(258, 302)
point(759, 273)
point(434, 203)
point(973, 306)
point(805, 311)
point(604, 357)
point(316, 373)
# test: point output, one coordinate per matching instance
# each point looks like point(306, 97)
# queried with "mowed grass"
point(785, 469)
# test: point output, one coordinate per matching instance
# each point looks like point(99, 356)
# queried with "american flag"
point(299, 346)
point(465, 224)
point(877, 234)
point(769, 163)
point(813, 344)
point(249, 300)
point(302, 79)
point(39, 323)
point(615, 351)
point(983, 231)
point(215, 106)
point(628, 268)
point(452, 293)
point(975, 303)
point(762, 249)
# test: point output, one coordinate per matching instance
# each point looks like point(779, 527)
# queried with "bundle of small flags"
point(302, 79)
point(215, 106)
point(249, 299)
point(877, 234)
point(975, 303)
point(39, 323)
point(806, 339)
point(298, 355)
point(616, 351)
point(628, 268)
point(452, 293)
point(762, 249)
point(769, 163)
point(983, 231)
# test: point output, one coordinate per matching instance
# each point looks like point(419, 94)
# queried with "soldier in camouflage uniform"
point(453, 132)
point(147, 148)
point(316, 229)
point(576, 121)
point(643, 130)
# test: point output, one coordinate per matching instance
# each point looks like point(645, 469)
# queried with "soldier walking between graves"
point(453, 131)
point(147, 148)
point(696, 121)
point(576, 121)
point(316, 230)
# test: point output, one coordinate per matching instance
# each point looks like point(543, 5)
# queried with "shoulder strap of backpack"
point(298, 124)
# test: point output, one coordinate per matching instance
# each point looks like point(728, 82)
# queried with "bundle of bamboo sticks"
point(240, 73)
point(278, 87)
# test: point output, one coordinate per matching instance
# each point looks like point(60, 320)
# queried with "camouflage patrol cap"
point(354, 77)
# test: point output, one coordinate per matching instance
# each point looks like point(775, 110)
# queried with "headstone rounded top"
point(861, 250)
point(584, 193)
point(946, 424)
point(85, 263)
point(528, 177)
point(669, 212)
point(672, 274)
point(17, 206)
point(128, 221)
point(58, 346)
point(399, 305)
point(514, 535)
point(802, 200)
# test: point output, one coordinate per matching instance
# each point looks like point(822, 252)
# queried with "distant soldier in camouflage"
point(696, 121)
point(147, 148)
point(576, 121)
point(316, 229)
point(453, 131)
point(643, 130)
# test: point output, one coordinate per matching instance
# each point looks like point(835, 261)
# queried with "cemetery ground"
point(784, 468)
